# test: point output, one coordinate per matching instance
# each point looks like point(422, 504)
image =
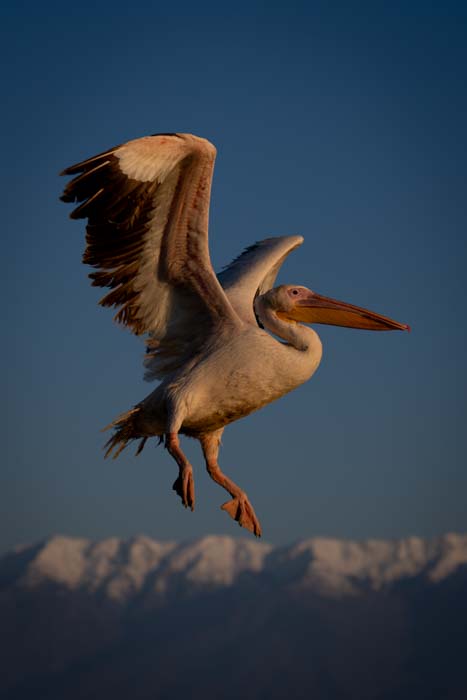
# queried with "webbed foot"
point(241, 510)
point(184, 487)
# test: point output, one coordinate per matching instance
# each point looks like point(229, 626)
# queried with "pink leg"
point(184, 486)
point(239, 508)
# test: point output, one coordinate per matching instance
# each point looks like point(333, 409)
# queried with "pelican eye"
point(295, 292)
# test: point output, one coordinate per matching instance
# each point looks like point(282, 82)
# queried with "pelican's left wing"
point(254, 272)
point(147, 205)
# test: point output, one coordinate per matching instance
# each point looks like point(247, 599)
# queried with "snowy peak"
point(123, 569)
point(332, 566)
point(118, 567)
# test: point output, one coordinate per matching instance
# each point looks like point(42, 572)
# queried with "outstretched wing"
point(254, 272)
point(147, 205)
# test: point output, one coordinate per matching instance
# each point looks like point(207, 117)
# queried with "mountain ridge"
point(226, 618)
point(121, 568)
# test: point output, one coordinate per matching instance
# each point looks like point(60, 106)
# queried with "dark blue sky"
point(343, 122)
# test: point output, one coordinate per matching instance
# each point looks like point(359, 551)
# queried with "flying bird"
point(221, 346)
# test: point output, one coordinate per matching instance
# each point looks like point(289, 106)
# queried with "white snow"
point(122, 568)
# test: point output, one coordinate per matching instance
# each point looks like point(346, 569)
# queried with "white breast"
point(241, 376)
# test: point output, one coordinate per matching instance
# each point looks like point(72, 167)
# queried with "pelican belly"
point(243, 374)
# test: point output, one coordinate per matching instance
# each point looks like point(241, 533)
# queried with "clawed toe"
point(241, 510)
point(184, 487)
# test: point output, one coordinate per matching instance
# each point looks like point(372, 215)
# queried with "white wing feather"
point(147, 205)
point(254, 272)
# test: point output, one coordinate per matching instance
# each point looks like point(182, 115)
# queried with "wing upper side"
point(147, 205)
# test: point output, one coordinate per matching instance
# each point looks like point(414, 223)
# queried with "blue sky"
point(343, 122)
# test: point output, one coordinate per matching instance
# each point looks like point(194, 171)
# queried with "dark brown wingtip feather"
point(79, 188)
point(119, 211)
point(65, 172)
point(84, 164)
point(83, 211)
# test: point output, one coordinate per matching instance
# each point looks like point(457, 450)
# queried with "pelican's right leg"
point(184, 485)
point(239, 508)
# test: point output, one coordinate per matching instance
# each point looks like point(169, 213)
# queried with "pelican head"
point(298, 304)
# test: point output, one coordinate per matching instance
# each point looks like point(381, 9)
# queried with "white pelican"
point(221, 346)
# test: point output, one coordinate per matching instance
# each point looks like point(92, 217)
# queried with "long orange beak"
point(319, 309)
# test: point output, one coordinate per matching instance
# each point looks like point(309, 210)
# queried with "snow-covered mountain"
point(225, 618)
point(122, 569)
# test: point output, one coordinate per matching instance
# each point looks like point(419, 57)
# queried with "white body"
point(238, 374)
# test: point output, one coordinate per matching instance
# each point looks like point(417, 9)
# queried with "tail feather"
point(125, 432)
point(141, 446)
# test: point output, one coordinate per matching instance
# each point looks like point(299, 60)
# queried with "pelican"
point(221, 346)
